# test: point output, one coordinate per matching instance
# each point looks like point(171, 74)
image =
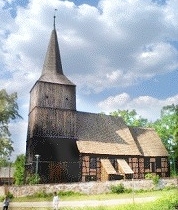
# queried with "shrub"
point(1, 199)
point(10, 196)
point(68, 193)
point(118, 189)
point(33, 179)
point(42, 194)
point(154, 178)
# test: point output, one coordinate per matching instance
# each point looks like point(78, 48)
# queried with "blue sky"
point(121, 54)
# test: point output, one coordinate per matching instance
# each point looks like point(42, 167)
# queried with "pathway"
point(84, 203)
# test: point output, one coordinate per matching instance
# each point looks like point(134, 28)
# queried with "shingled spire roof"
point(52, 69)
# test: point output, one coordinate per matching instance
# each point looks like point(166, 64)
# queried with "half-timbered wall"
point(139, 165)
point(157, 165)
point(91, 168)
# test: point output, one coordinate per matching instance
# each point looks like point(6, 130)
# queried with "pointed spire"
point(52, 63)
point(52, 67)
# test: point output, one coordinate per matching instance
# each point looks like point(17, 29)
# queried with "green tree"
point(19, 165)
point(167, 129)
point(167, 125)
point(8, 112)
point(175, 136)
point(131, 118)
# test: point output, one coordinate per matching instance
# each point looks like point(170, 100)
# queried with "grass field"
point(166, 200)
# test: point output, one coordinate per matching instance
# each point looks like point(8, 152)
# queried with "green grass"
point(76, 196)
point(170, 202)
point(166, 200)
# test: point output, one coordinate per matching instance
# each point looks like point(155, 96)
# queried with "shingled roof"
point(52, 68)
point(148, 142)
point(104, 134)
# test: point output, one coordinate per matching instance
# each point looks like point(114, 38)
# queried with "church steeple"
point(52, 67)
point(52, 63)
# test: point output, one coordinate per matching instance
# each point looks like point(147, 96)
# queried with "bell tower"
point(52, 121)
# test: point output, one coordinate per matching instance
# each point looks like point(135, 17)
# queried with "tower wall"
point(53, 95)
point(52, 122)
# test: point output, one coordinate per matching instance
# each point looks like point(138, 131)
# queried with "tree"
point(175, 136)
point(19, 169)
point(167, 129)
point(131, 118)
point(167, 125)
point(8, 112)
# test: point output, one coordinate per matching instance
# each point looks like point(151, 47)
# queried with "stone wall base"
point(85, 187)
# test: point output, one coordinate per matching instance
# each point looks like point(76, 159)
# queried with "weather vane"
point(54, 17)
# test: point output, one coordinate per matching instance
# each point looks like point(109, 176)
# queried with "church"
point(74, 146)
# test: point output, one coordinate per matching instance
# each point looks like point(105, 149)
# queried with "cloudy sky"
point(121, 54)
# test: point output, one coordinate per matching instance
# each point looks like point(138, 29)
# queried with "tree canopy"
point(131, 118)
point(19, 169)
point(8, 112)
point(167, 125)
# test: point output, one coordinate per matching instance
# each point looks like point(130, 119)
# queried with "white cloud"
point(146, 106)
point(119, 41)
point(114, 45)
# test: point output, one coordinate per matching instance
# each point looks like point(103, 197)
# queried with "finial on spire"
point(54, 18)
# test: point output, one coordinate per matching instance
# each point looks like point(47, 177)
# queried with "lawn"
point(108, 196)
point(166, 200)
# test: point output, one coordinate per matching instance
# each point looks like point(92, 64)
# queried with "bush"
point(154, 178)
point(68, 193)
point(1, 199)
point(118, 189)
point(42, 194)
point(33, 179)
point(10, 196)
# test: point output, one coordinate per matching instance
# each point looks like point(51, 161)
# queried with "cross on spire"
point(54, 18)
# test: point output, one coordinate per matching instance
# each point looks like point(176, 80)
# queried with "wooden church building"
point(78, 146)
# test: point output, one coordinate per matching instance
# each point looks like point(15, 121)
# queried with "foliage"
point(41, 194)
point(167, 124)
point(154, 178)
point(131, 118)
point(45, 195)
point(8, 112)
point(33, 179)
point(117, 188)
point(19, 169)
point(167, 129)
point(4, 162)
point(68, 193)
point(10, 196)
point(175, 134)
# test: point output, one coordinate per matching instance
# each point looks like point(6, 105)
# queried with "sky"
point(121, 54)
